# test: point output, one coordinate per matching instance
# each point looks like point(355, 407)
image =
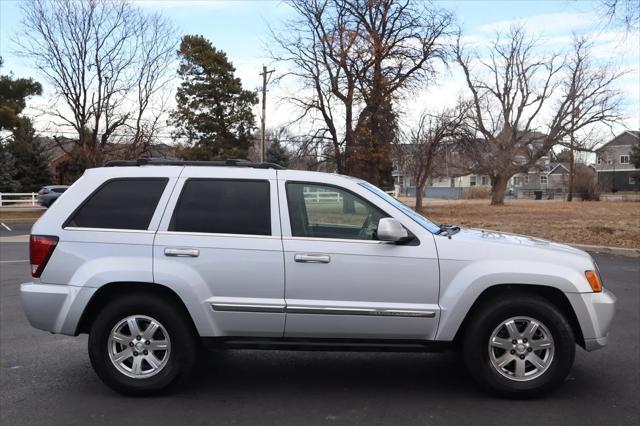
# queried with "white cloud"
point(550, 23)
point(210, 4)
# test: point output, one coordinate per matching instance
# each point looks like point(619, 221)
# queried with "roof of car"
point(235, 163)
point(150, 161)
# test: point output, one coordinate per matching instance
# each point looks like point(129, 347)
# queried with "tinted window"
point(223, 207)
point(59, 190)
point(320, 211)
point(120, 204)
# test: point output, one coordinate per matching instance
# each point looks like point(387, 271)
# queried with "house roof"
point(556, 166)
point(629, 137)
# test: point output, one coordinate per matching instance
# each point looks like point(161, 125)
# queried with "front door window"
point(322, 211)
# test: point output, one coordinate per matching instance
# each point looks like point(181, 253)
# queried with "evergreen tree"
point(7, 171)
point(635, 156)
point(13, 96)
point(30, 161)
point(278, 154)
point(213, 111)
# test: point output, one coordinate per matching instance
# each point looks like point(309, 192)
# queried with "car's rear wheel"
point(141, 344)
point(519, 346)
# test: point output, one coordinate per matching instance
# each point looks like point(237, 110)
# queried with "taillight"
point(40, 250)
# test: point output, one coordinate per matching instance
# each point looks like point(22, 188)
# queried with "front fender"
point(463, 282)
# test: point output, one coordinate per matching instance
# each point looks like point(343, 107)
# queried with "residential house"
point(613, 163)
point(449, 180)
point(58, 151)
point(547, 179)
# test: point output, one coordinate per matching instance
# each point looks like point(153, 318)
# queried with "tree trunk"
point(498, 189)
point(419, 197)
point(571, 173)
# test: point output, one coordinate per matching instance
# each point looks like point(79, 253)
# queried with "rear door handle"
point(181, 252)
point(312, 258)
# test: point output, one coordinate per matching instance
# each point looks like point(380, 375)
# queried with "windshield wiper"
point(448, 230)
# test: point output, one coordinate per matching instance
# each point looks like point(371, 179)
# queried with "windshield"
point(421, 220)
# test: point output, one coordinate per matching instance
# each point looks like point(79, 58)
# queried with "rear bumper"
point(595, 312)
point(55, 308)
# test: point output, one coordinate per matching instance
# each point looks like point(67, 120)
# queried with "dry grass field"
point(12, 215)
point(606, 223)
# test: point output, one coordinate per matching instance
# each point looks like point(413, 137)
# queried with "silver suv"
point(155, 259)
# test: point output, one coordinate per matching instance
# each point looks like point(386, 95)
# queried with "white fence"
point(322, 197)
point(18, 198)
point(328, 197)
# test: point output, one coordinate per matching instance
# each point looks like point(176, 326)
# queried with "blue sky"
point(241, 28)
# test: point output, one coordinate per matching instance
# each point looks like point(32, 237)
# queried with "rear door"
point(220, 239)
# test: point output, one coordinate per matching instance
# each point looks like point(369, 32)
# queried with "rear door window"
point(223, 206)
point(120, 204)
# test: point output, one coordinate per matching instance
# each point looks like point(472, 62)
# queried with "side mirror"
point(390, 229)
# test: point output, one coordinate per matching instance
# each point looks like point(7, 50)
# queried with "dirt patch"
point(606, 223)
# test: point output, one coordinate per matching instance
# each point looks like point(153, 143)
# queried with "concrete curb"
point(15, 239)
point(619, 251)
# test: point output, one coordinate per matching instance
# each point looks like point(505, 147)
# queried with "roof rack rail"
point(151, 161)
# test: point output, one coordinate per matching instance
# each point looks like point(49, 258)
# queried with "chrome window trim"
point(133, 231)
point(339, 240)
point(211, 234)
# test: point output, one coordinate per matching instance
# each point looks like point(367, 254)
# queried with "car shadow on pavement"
point(282, 371)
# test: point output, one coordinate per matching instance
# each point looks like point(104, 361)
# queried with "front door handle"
point(181, 252)
point(312, 258)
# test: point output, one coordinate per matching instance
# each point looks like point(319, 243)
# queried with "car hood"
point(505, 238)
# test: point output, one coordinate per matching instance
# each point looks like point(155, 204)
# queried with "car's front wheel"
point(140, 344)
point(519, 346)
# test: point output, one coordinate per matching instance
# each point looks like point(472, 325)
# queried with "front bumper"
point(595, 312)
point(55, 308)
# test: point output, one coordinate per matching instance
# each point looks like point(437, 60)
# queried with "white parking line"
point(5, 226)
point(13, 261)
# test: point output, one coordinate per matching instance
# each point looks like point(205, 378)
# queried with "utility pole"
point(266, 75)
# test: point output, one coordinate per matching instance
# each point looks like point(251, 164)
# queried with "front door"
point(341, 282)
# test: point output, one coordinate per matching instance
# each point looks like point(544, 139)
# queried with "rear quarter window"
point(120, 204)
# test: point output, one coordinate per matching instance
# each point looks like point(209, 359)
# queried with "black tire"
point(486, 319)
point(184, 348)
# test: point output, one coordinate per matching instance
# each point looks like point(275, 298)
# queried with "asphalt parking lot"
point(47, 379)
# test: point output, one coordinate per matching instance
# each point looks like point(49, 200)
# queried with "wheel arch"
point(111, 291)
point(551, 294)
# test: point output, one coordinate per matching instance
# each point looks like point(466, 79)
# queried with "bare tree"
point(590, 87)
point(426, 147)
point(107, 63)
point(321, 55)
point(352, 58)
point(625, 12)
point(525, 103)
